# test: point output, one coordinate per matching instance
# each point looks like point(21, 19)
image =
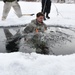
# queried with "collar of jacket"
point(37, 23)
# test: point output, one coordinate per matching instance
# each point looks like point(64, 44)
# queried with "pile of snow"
point(36, 64)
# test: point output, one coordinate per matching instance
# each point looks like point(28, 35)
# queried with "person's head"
point(40, 17)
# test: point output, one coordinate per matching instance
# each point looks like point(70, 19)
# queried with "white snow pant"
point(7, 7)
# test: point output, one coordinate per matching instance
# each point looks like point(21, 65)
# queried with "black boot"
point(44, 18)
point(47, 16)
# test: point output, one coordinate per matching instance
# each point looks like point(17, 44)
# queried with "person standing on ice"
point(46, 8)
point(36, 27)
point(7, 6)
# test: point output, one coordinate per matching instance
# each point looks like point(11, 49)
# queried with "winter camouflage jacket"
point(34, 26)
point(35, 39)
point(33, 31)
point(9, 0)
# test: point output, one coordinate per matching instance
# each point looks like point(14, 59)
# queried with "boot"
point(47, 16)
point(44, 18)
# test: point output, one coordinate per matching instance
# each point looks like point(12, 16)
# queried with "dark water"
point(62, 41)
point(66, 46)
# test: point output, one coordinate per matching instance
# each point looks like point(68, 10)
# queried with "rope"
point(58, 11)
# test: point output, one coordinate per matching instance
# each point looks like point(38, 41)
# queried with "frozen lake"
point(62, 40)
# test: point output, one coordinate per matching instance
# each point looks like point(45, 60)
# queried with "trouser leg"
point(7, 33)
point(42, 48)
point(6, 9)
point(48, 9)
point(11, 37)
point(43, 11)
point(17, 9)
point(12, 44)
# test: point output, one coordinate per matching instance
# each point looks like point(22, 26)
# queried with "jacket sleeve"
point(29, 29)
point(4, 1)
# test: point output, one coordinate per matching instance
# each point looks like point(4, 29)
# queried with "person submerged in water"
point(32, 30)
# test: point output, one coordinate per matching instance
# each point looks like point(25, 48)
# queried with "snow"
point(61, 14)
point(36, 64)
point(19, 63)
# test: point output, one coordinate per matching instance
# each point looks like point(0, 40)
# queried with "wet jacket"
point(35, 38)
point(9, 0)
point(34, 26)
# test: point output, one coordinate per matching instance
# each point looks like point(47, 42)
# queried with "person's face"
point(40, 19)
